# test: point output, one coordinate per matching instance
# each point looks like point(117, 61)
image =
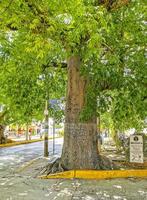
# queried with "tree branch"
point(3, 115)
point(6, 8)
point(114, 4)
point(37, 11)
point(55, 65)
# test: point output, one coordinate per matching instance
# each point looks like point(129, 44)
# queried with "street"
point(23, 186)
point(12, 157)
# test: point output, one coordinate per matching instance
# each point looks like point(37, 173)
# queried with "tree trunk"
point(2, 137)
point(80, 138)
point(27, 132)
point(116, 139)
point(99, 134)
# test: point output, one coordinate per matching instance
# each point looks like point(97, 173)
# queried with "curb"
point(23, 142)
point(27, 164)
point(97, 174)
point(31, 162)
point(19, 143)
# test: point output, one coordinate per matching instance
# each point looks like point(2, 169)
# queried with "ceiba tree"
point(98, 41)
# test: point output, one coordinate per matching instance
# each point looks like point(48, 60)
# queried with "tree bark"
point(116, 139)
point(99, 133)
point(80, 138)
point(2, 137)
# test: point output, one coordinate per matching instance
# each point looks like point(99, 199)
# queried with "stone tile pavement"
point(24, 185)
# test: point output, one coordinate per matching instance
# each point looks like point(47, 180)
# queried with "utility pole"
point(46, 130)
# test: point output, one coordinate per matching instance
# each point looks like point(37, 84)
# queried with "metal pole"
point(53, 136)
point(27, 131)
point(99, 134)
point(46, 130)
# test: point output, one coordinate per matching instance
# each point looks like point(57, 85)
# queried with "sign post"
point(53, 136)
point(46, 130)
point(136, 149)
point(56, 105)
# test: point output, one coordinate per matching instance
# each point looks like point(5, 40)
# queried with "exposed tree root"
point(105, 163)
point(56, 166)
point(52, 168)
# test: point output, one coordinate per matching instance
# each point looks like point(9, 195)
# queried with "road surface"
point(13, 157)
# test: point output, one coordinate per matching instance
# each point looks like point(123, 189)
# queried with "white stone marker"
point(136, 149)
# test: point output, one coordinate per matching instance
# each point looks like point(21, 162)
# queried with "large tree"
point(101, 42)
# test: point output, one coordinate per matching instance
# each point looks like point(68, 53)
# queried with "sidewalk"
point(21, 140)
point(25, 186)
point(14, 143)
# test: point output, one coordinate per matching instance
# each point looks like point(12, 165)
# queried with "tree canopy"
point(38, 36)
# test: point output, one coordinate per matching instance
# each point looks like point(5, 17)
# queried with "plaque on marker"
point(136, 149)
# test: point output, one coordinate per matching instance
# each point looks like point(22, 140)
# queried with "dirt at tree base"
point(104, 164)
point(128, 165)
point(56, 166)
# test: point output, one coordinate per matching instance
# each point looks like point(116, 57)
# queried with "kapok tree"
point(91, 38)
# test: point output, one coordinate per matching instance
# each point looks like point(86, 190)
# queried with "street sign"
point(57, 104)
point(136, 149)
